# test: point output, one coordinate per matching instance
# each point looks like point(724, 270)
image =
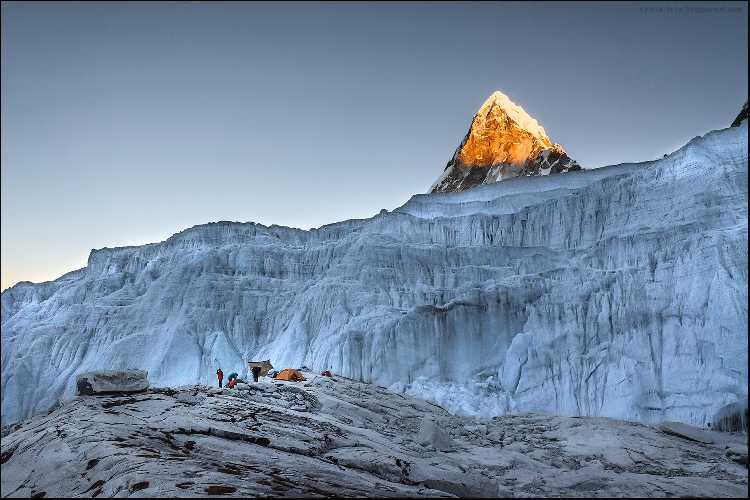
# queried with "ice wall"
point(620, 291)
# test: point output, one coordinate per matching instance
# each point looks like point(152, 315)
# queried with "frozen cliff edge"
point(617, 292)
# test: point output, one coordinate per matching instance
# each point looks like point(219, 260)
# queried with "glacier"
point(619, 291)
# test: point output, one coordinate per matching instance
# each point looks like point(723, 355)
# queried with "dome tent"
point(290, 374)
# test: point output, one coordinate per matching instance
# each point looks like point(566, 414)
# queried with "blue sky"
point(125, 123)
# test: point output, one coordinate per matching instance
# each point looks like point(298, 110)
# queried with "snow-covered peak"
point(515, 112)
point(503, 142)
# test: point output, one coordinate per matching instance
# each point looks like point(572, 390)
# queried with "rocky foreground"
point(340, 437)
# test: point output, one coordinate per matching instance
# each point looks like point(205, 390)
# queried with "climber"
point(220, 376)
point(256, 373)
point(233, 376)
point(232, 382)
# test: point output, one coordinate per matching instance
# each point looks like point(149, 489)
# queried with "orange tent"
point(290, 374)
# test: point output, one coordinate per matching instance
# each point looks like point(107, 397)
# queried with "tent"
point(290, 374)
point(265, 366)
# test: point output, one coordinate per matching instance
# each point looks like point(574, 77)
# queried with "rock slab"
point(685, 431)
point(433, 436)
point(354, 440)
point(111, 381)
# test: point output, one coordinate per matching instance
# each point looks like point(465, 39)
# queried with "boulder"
point(188, 399)
point(686, 431)
point(112, 381)
point(738, 454)
point(431, 435)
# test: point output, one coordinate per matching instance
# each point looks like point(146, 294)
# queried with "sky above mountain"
point(123, 124)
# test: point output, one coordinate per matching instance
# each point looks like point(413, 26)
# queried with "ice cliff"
point(620, 291)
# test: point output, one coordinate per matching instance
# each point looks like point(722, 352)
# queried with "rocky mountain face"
point(338, 437)
point(742, 116)
point(503, 142)
point(619, 291)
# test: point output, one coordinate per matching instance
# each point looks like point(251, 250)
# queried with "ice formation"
point(619, 291)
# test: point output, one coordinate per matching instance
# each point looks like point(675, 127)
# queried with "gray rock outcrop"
point(685, 431)
point(112, 381)
point(350, 439)
point(432, 435)
point(740, 117)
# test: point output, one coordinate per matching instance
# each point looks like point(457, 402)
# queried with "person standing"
point(256, 373)
point(220, 376)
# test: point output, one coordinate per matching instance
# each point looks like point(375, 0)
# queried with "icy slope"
point(614, 292)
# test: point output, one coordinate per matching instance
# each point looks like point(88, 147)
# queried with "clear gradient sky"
point(125, 123)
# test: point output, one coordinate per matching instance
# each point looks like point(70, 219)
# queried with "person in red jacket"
point(220, 376)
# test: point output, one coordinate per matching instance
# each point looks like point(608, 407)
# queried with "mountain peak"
point(503, 141)
point(499, 101)
point(740, 117)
